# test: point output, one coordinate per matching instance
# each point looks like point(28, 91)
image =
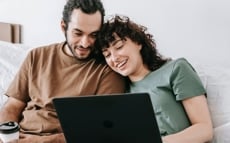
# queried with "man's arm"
point(11, 110)
point(53, 138)
point(111, 82)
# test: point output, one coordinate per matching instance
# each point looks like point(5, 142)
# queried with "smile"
point(82, 49)
point(121, 64)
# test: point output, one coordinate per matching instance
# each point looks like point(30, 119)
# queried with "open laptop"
point(116, 118)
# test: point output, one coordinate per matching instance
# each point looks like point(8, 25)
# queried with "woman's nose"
point(115, 57)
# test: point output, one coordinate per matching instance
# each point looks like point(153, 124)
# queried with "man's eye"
point(77, 34)
point(94, 35)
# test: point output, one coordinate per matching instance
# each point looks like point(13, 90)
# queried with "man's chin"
point(82, 57)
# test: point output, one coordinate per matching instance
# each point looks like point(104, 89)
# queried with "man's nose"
point(85, 41)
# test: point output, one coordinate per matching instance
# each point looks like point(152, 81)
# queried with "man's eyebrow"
point(95, 32)
point(79, 30)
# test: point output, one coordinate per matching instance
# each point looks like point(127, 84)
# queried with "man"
point(60, 69)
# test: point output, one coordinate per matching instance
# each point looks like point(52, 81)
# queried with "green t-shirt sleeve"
point(185, 81)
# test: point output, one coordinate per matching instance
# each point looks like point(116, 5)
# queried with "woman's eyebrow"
point(115, 42)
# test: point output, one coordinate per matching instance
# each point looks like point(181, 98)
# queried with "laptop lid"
point(116, 118)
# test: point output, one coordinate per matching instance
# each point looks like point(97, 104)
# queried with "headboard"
point(10, 32)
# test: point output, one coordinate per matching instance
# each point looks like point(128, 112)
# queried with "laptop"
point(116, 118)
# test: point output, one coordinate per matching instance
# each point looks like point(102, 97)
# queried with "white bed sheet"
point(11, 57)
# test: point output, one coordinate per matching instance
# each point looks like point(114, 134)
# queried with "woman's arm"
point(201, 130)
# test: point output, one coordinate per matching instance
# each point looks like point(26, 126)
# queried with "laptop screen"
point(116, 118)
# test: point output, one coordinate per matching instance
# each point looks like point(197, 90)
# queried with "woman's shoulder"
point(182, 62)
point(174, 65)
point(180, 65)
point(179, 62)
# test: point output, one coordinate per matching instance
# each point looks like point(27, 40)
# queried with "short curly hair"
point(124, 28)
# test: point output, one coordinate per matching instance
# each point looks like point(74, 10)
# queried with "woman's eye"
point(106, 55)
point(119, 47)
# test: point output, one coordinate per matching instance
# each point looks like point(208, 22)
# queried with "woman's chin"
point(123, 73)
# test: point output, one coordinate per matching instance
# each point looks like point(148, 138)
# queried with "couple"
point(70, 68)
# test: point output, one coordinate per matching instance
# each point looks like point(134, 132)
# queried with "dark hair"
point(87, 6)
point(125, 28)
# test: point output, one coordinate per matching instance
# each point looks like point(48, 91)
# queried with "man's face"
point(81, 32)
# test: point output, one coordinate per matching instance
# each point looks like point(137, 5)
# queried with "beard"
point(74, 47)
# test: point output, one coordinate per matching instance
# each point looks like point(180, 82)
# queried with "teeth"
point(121, 64)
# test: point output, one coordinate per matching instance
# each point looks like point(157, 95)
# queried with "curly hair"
point(87, 6)
point(124, 28)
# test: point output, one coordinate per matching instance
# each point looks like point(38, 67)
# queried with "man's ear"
point(63, 26)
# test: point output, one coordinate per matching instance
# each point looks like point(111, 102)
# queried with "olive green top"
point(173, 82)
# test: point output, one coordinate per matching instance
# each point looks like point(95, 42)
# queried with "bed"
point(216, 79)
point(12, 53)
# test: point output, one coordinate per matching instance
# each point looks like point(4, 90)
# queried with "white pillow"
point(216, 80)
point(221, 134)
point(11, 57)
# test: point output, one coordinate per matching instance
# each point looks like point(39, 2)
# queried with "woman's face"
point(124, 57)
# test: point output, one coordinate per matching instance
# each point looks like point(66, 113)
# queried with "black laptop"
point(116, 118)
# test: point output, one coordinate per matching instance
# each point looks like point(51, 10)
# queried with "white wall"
point(196, 29)
point(40, 19)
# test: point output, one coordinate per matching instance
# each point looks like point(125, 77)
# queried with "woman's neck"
point(139, 74)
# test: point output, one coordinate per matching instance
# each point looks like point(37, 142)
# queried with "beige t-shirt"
point(46, 73)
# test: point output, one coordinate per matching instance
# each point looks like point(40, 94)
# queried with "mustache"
point(92, 47)
point(82, 47)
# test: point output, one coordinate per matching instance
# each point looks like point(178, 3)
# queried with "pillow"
point(221, 134)
point(11, 57)
point(216, 80)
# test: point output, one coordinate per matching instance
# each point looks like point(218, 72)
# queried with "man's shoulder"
point(44, 51)
point(48, 47)
point(99, 65)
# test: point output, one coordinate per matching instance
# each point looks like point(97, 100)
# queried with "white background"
point(198, 30)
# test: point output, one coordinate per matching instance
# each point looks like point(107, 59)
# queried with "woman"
point(177, 93)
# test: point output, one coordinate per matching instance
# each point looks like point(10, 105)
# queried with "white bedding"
point(216, 80)
point(11, 57)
